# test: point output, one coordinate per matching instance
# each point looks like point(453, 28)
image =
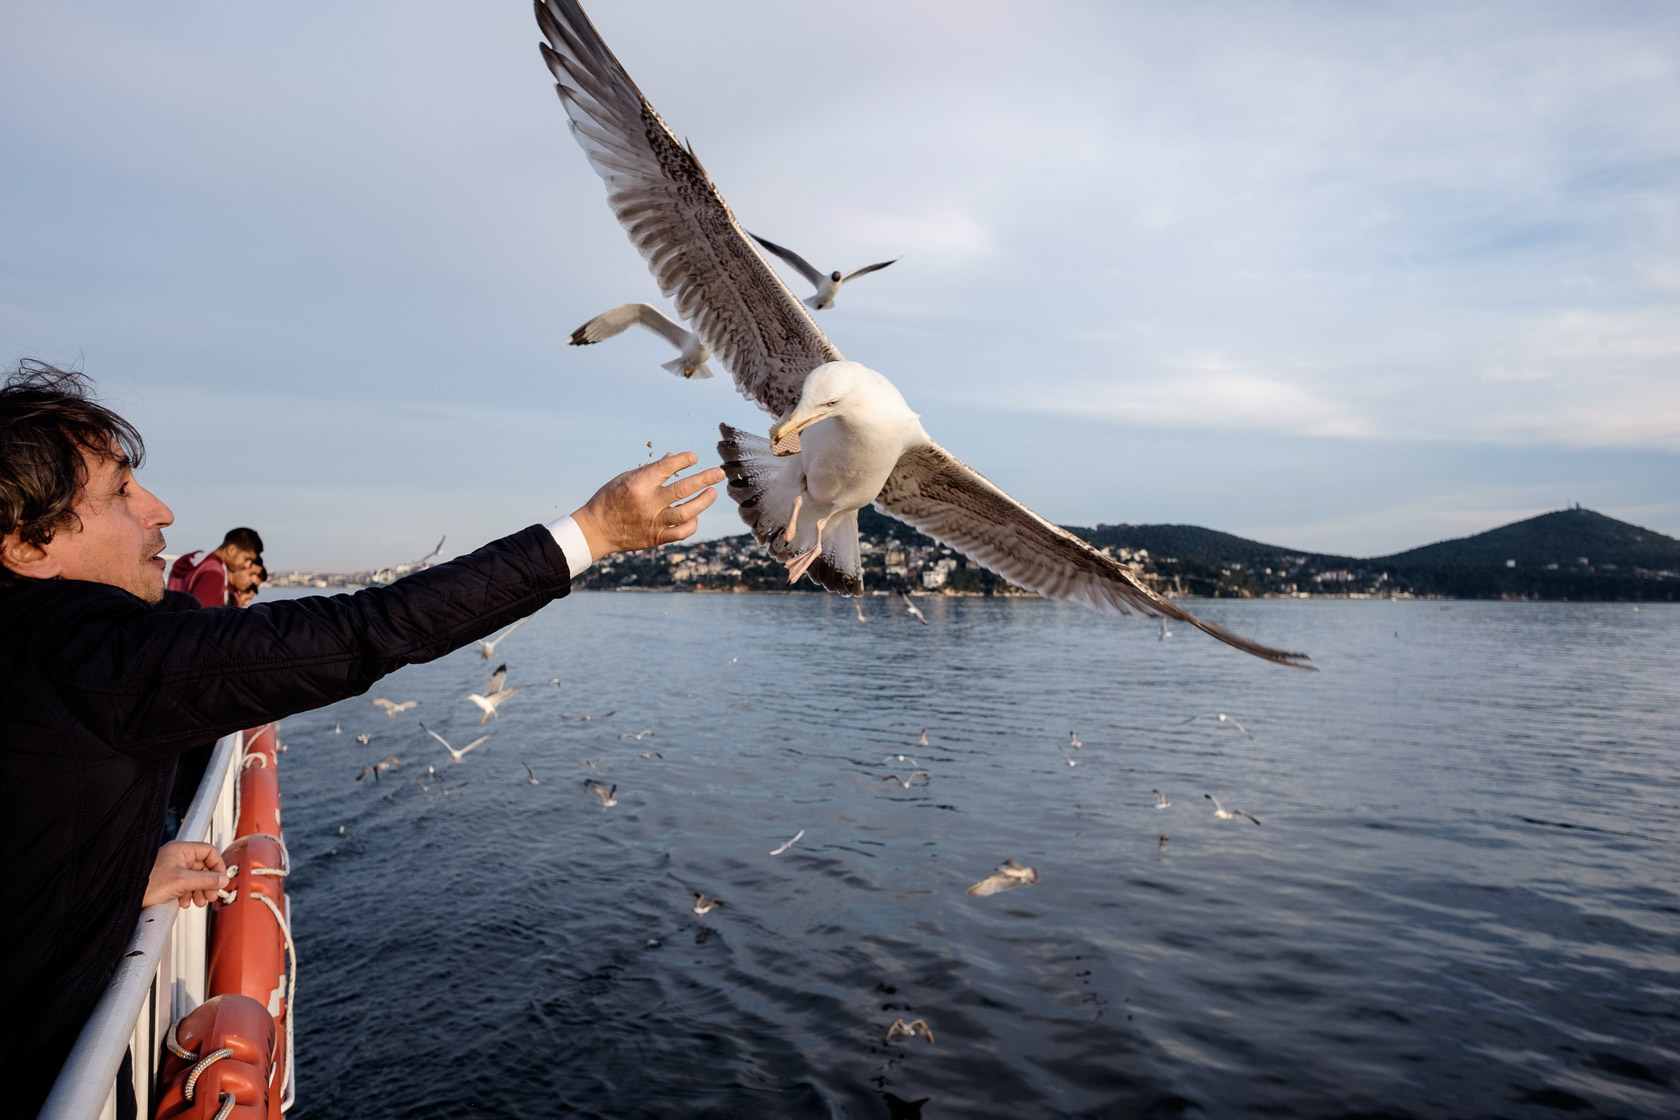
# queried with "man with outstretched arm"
point(99, 691)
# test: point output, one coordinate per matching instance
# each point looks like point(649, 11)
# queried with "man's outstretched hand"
point(187, 872)
point(639, 510)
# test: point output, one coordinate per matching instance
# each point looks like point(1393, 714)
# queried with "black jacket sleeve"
point(151, 683)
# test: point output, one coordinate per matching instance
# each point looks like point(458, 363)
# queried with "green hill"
point(1196, 544)
point(1564, 537)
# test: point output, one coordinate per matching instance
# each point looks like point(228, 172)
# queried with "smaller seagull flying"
point(913, 608)
point(364, 738)
point(827, 286)
point(692, 364)
point(789, 844)
point(911, 1030)
point(1225, 814)
point(530, 774)
point(392, 707)
point(900, 758)
point(1161, 801)
point(454, 755)
point(426, 560)
point(638, 736)
point(905, 782)
point(391, 763)
point(924, 737)
point(494, 693)
point(1073, 741)
point(703, 905)
point(587, 718)
point(650, 754)
point(337, 730)
point(487, 648)
point(609, 797)
point(1223, 718)
point(1010, 874)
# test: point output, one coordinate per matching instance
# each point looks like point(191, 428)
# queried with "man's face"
point(241, 569)
point(121, 532)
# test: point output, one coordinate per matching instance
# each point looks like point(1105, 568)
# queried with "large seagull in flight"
point(844, 436)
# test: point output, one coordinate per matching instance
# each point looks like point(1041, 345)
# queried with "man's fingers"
point(683, 487)
point(692, 508)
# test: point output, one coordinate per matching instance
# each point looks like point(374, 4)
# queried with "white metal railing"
point(161, 975)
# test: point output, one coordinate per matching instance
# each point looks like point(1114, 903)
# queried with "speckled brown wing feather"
point(676, 218)
point(937, 493)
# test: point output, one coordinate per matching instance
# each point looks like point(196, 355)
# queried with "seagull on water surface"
point(844, 436)
point(789, 844)
point(392, 707)
point(609, 797)
point(1225, 814)
point(454, 755)
point(608, 323)
point(827, 286)
point(487, 648)
point(1010, 874)
point(704, 905)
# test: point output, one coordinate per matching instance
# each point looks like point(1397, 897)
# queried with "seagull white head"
point(842, 389)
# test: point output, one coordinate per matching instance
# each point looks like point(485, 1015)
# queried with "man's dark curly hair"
point(48, 418)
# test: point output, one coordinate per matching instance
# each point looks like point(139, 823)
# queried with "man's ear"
point(30, 561)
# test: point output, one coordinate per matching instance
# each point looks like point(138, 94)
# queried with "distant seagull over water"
point(704, 905)
point(391, 763)
point(827, 286)
point(1225, 814)
point(1073, 741)
point(392, 707)
point(905, 782)
point(1161, 801)
point(789, 844)
point(430, 558)
point(609, 797)
point(692, 364)
point(1223, 718)
point(911, 1030)
point(487, 648)
point(913, 608)
point(650, 754)
point(337, 730)
point(901, 758)
point(587, 718)
point(638, 736)
point(495, 693)
point(530, 774)
point(364, 738)
point(454, 755)
point(1010, 874)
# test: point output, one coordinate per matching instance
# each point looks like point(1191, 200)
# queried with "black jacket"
point(99, 692)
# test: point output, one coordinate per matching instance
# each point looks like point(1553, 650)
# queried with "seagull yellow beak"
point(784, 436)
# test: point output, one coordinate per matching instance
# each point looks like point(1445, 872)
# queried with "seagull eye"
point(832, 403)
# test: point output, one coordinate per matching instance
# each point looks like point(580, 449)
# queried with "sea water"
point(1463, 898)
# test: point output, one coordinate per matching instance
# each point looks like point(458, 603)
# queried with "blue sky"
point(1348, 278)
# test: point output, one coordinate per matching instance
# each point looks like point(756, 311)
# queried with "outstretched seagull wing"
point(866, 269)
point(698, 252)
point(937, 493)
point(804, 267)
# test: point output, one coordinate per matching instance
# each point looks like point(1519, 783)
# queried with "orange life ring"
point(232, 1042)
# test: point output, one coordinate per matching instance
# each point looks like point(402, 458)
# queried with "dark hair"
point(245, 540)
point(48, 421)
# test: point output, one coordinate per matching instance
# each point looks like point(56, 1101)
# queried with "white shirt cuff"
point(572, 542)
